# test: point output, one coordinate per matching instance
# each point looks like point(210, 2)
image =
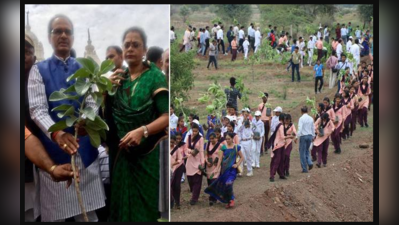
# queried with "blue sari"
point(222, 188)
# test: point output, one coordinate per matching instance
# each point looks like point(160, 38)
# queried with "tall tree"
point(366, 13)
point(229, 12)
point(184, 11)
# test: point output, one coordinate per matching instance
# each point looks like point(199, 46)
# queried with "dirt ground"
point(343, 191)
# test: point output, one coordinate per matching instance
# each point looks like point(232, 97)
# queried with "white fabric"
point(235, 30)
point(256, 146)
point(220, 34)
point(246, 149)
point(274, 123)
point(355, 50)
point(172, 35)
point(207, 34)
point(173, 121)
point(241, 34)
point(258, 126)
point(305, 126)
point(258, 38)
point(344, 31)
point(348, 46)
point(310, 58)
point(339, 51)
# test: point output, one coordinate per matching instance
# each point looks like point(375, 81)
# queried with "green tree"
point(229, 12)
point(184, 11)
point(195, 8)
point(366, 13)
point(181, 76)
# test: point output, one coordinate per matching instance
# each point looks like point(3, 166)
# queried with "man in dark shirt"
point(232, 93)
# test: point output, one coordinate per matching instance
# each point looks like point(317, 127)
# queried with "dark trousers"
point(277, 163)
point(345, 133)
point(287, 158)
point(195, 183)
point(221, 42)
point(210, 181)
point(182, 48)
point(206, 45)
point(176, 184)
point(319, 54)
point(295, 67)
point(266, 138)
point(336, 137)
point(322, 152)
point(103, 213)
point(353, 121)
point(252, 43)
point(362, 116)
point(316, 82)
point(212, 58)
point(234, 54)
point(241, 48)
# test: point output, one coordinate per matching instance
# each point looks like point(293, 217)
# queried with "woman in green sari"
point(137, 124)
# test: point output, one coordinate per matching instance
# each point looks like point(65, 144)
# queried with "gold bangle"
point(51, 170)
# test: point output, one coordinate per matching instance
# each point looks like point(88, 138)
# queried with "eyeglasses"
point(135, 45)
point(59, 32)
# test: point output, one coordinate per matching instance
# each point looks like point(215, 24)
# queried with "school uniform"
point(321, 143)
point(336, 137)
point(246, 48)
point(354, 99)
point(266, 121)
point(176, 155)
point(277, 154)
point(194, 175)
point(212, 152)
point(364, 104)
point(288, 131)
point(347, 116)
point(258, 126)
point(246, 135)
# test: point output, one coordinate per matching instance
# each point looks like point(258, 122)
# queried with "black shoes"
point(193, 202)
point(367, 125)
point(287, 174)
point(283, 178)
point(310, 167)
point(318, 165)
point(271, 179)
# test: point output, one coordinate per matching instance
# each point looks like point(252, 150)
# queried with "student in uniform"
point(348, 107)
point(266, 119)
point(212, 159)
point(290, 134)
point(246, 135)
point(277, 153)
point(195, 158)
point(177, 148)
point(259, 132)
point(355, 102)
point(324, 127)
point(320, 111)
point(338, 122)
point(363, 93)
point(328, 108)
point(245, 45)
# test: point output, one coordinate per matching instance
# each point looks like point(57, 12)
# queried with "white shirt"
point(326, 33)
point(348, 46)
point(257, 37)
point(342, 65)
point(104, 164)
point(249, 31)
point(344, 31)
point(187, 35)
point(173, 121)
point(252, 32)
point(274, 123)
point(241, 34)
point(258, 126)
point(301, 46)
point(310, 44)
point(245, 44)
point(245, 133)
point(235, 29)
point(214, 30)
point(318, 35)
point(192, 35)
point(358, 33)
point(339, 50)
point(305, 126)
point(207, 34)
point(224, 129)
point(172, 35)
point(220, 34)
point(355, 50)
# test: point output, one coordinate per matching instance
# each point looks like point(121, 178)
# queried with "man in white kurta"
point(258, 39)
point(258, 126)
point(311, 45)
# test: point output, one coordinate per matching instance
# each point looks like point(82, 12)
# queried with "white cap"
point(258, 28)
point(278, 109)
point(233, 118)
point(350, 37)
point(196, 121)
point(246, 38)
point(248, 110)
point(228, 117)
point(258, 113)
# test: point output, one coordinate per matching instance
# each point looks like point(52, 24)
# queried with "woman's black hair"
point(212, 135)
point(346, 93)
point(139, 30)
point(322, 106)
point(196, 117)
point(173, 137)
point(337, 95)
point(230, 134)
point(281, 117)
point(195, 126)
point(287, 117)
point(327, 99)
point(178, 133)
point(324, 116)
point(180, 118)
point(217, 130)
point(232, 124)
point(172, 28)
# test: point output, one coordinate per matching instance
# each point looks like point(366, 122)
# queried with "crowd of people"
point(223, 148)
point(116, 182)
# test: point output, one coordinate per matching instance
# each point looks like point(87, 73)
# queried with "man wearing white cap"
point(259, 132)
point(275, 120)
point(246, 47)
point(311, 44)
point(349, 44)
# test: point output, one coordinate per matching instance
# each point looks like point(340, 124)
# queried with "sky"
point(107, 24)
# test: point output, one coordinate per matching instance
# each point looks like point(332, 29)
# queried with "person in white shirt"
point(306, 134)
point(355, 51)
point(344, 33)
point(220, 39)
point(311, 45)
point(252, 41)
point(186, 40)
point(259, 130)
point(275, 119)
point(258, 39)
point(301, 46)
point(250, 33)
point(207, 37)
point(349, 44)
point(172, 34)
point(326, 34)
point(358, 33)
point(246, 48)
point(235, 30)
point(339, 48)
point(319, 33)
point(241, 36)
point(173, 118)
point(193, 37)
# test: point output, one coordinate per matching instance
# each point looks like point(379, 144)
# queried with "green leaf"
point(96, 67)
point(57, 96)
point(106, 66)
point(103, 135)
point(58, 126)
point(107, 82)
point(70, 121)
point(81, 73)
point(69, 112)
point(89, 112)
point(97, 124)
point(61, 108)
point(98, 98)
point(82, 86)
point(87, 64)
point(71, 89)
point(95, 139)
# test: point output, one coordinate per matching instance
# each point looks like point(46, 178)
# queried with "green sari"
point(135, 173)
